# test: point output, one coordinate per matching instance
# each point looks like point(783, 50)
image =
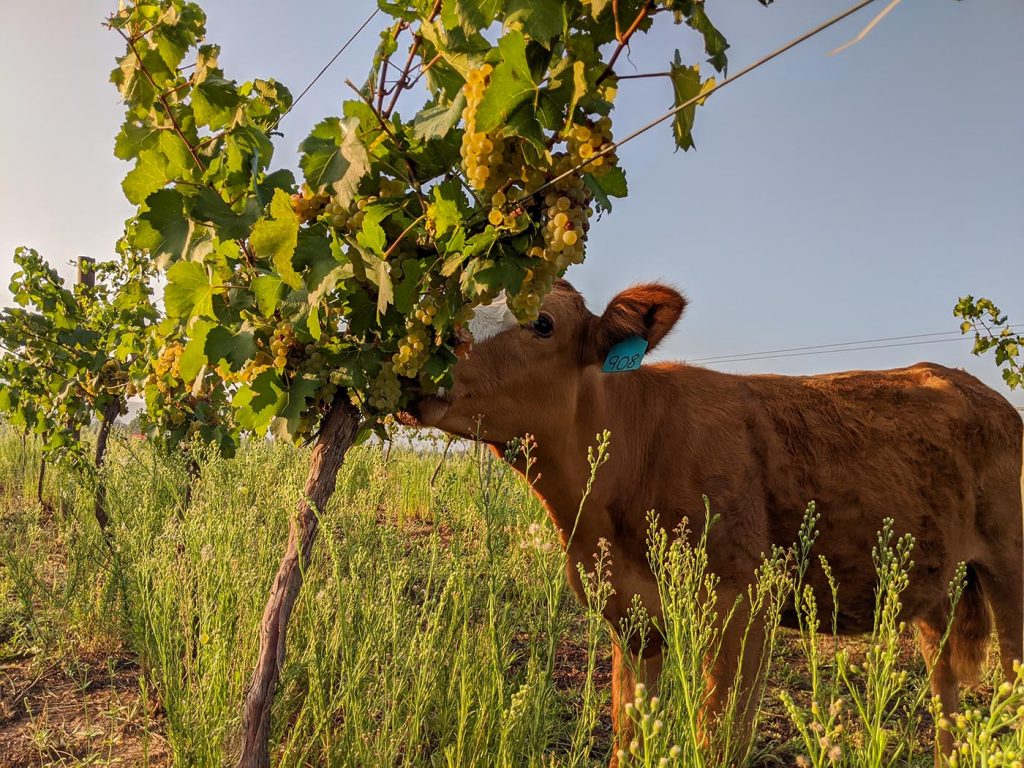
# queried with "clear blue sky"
point(830, 199)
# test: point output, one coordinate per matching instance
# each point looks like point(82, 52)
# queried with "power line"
point(823, 346)
point(608, 149)
point(841, 346)
point(827, 351)
point(327, 66)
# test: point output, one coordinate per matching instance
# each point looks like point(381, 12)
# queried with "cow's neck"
point(560, 473)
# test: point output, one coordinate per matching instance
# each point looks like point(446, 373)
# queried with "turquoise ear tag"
point(625, 356)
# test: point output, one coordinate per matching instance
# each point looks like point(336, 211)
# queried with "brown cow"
point(929, 446)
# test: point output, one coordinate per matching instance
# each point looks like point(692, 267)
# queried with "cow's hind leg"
point(1003, 588)
point(1000, 570)
point(941, 674)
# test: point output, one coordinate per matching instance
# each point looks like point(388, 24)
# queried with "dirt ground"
point(83, 711)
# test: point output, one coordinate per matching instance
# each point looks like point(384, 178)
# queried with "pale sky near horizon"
point(830, 198)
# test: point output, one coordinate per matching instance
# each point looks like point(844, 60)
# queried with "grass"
point(434, 628)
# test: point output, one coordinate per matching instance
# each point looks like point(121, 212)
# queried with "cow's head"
point(519, 378)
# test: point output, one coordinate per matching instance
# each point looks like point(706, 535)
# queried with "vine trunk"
point(336, 437)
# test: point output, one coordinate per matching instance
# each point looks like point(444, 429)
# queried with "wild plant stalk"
point(867, 715)
point(692, 626)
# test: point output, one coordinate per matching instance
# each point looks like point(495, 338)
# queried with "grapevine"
point(73, 354)
point(315, 308)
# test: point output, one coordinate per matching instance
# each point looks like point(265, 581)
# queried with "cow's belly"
point(937, 512)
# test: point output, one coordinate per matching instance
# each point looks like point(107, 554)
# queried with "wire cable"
point(327, 66)
point(824, 346)
point(827, 351)
point(841, 346)
point(701, 97)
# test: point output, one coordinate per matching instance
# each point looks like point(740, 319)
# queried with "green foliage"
point(992, 332)
point(990, 736)
point(686, 85)
point(69, 354)
point(400, 227)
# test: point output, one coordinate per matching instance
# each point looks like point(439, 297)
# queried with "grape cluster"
point(487, 157)
point(308, 205)
point(385, 390)
point(392, 187)
point(167, 365)
point(281, 343)
point(537, 283)
point(335, 214)
point(426, 311)
point(254, 368)
point(503, 212)
point(413, 350)
point(565, 217)
point(566, 222)
point(586, 141)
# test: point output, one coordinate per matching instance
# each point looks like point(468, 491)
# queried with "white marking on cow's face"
point(491, 319)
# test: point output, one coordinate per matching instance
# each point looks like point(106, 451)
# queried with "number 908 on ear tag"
point(625, 356)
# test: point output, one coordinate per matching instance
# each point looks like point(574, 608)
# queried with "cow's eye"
point(544, 326)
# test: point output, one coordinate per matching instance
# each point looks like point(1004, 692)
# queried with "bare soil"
point(84, 711)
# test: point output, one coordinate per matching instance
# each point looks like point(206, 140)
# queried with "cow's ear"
point(648, 311)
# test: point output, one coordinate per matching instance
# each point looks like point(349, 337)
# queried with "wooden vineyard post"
point(42, 480)
point(86, 272)
point(336, 437)
point(100, 500)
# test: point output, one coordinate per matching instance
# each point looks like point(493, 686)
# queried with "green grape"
point(586, 140)
point(487, 157)
point(308, 204)
point(385, 390)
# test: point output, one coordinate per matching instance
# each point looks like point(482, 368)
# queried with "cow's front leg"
point(627, 670)
point(734, 681)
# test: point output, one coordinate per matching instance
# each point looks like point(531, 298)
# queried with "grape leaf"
point(214, 102)
point(148, 175)
point(381, 275)
point(322, 161)
point(437, 121)
point(133, 138)
point(442, 213)
point(291, 405)
point(209, 207)
point(179, 161)
point(190, 290)
point(686, 85)
point(597, 7)
point(540, 20)
point(611, 184)
point(257, 402)
point(194, 356)
point(511, 84)
point(333, 155)
point(234, 348)
point(408, 286)
point(164, 230)
point(469, 15)
point(275, 238)
point(715, 44)
point(267, 290)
